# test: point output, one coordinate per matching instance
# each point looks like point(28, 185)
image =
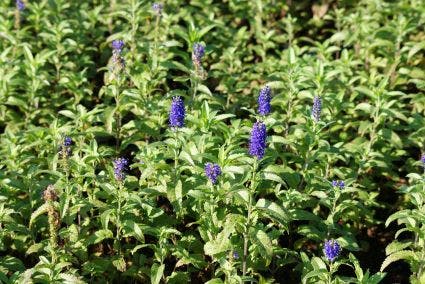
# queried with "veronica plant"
point(410, 242)
point(257, 148)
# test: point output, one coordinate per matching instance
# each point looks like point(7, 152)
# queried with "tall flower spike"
point(257, 144)
point(67, 141)
point(423, 159)
point(317, 108)
point(212, 171)
point(49, 194)
point(120, 165)
point(264, 99)
point(157, 8)
point(197, 53)
point(177, 112)
point(117, 58)
point(20, 5)
point(331, 249)
point(65, 149)
point(117, 45)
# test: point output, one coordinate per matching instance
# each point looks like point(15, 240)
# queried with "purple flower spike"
point(423, 159)
point(120, 165)
point(65, 148)
point(264, 99)
point(20, 5)
point(117, 45)
point(67, 141)
point(157, 8)
point(198, 53)
point(317, 108)
point(331, 249)
point(212, 171)
point(177, 112)
point(257, 144)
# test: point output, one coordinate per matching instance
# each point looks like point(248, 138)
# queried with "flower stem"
point(246, 233)
point(118, 212)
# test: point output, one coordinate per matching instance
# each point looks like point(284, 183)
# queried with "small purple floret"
point(157, 8)
point(338, 183)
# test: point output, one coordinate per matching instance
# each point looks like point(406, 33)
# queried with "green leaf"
point(71, 279)
point(273, 210)
point(265, 245)
point(156, 273)
point(396, 246)
point(178, 277)
point(40, 210)
point(403, 254)
point(133, 229)
point(99, 236)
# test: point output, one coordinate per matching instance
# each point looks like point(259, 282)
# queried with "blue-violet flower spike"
point(117, 45)
point(157, 8)
point(177, 112)
point(197, 53)
point(317, 108)
point(65, 148)
point(20, 5)
point(331, 249)
point(423, 159)
point(67, 141)
point(264, 99)
point(257, 143)
point(212, 171)
point(120, 165)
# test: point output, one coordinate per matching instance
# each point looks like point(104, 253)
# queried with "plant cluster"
point(212, 141)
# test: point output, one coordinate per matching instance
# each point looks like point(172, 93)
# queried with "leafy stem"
point(194, 84)
point(331, 271)
point(117, 118)
point(176, 153)
point(118, 213)
point(248, 222)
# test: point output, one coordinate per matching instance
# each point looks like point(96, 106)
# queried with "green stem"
point(176, 154)
point(246, 233)
point(118, 234)
point(195, 89)
point(330, 273)
point(118, 119)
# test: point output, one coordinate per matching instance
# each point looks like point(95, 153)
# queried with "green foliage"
point(265, 220)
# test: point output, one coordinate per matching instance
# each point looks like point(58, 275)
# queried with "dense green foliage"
point(65, 215)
